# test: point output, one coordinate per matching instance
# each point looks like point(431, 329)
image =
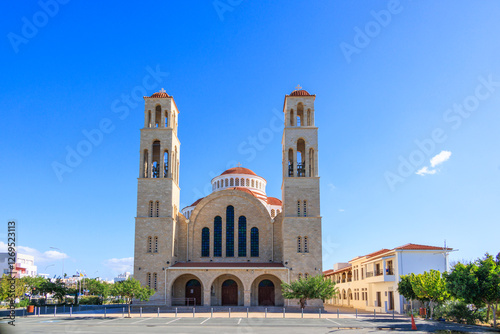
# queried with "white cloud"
point(440, 158)
point(331, 186)
point(436, 160)
point(47, 256)
point(120, 265)
point(425, 171)
point(341, 210)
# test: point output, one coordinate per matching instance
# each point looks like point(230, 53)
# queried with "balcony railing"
point(389, 271)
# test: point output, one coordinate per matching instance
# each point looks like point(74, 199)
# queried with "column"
point(247, 298)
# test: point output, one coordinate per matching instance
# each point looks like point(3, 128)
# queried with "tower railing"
point(301, 169)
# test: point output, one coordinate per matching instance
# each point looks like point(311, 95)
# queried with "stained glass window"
point(205, 242)
point(230, 231)
point(254, 242)
point(217, 236)
point(242, 236)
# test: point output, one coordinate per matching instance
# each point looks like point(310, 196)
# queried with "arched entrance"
point(229, 293)
point(193, 292)
point(266, 293)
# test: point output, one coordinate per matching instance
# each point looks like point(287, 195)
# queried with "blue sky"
point(386, 75)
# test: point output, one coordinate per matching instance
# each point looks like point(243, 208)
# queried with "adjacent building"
point(24, 265)
point(370, 282)
point(236, 245)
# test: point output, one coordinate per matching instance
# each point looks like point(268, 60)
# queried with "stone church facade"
point(235, 246)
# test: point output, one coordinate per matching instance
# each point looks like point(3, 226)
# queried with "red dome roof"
point(273, 201)
point(161, 93)
point(239, 170)
point(300, 92)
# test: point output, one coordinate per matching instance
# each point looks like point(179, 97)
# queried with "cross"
point(298, 87)
point(162, 90)
point(238, 164)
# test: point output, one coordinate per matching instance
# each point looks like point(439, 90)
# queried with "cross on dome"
point(163, 90)
point(238, 164)
point(298, 87)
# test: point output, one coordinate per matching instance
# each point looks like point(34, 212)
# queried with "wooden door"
point(229, 293)
point(193, 292)
point(266, 293)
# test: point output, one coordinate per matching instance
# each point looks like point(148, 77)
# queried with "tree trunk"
point(495, 308)
point(129, 309)
point(488, 312)
point(302, 303)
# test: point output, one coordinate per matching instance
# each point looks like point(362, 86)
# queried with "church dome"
point(161, 94)
point(239, 170)
point(300, 92)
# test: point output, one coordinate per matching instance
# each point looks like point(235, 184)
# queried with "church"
point(235, 246)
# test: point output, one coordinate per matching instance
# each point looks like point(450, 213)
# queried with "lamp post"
point(62, 274)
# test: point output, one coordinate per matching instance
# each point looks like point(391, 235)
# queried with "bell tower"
point(300, 187)
point(157, 192)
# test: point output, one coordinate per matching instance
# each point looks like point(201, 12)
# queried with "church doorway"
point(266, 293)
point(193, 292)
point(229, 293)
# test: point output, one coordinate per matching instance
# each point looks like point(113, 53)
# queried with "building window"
point(155, 280)
point(150, 244)
point(305, 208)
point(298, 208)
point(242, 236)
point(231, 182)
point(149, 279)
point(242, 182)
point(145, 164)
point(306, 275)
point(273, 213)
point(254, 242)
point(150, 208)
point(230, 231)
point(157, 116)
point(217, 236)
point(237, 182)
point(226, 182)
point(165, 164)
point(299, 245)
point(157, 209)
point(205, 242)
point(300, 276)
point(156, 244)
point(253, 182)
point(306, 245)
point(291, 117)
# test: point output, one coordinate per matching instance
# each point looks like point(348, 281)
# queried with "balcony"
point(378, 275)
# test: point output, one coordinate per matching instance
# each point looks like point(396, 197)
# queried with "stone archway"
point(227, 290)
point(266, 291)
point(187, 289)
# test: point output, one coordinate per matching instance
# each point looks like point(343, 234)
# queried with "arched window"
point(298, 208)
point(145, 164)
point(155, 280)
point(149, 279)
point(311, 162)
point(248, 182)
point(306, 245)
point(150, 208)
point(306, 275)
point(300, 114)
point(156, 159)
point(230, 231)
point(253, 183)
point(165, 163)
point(301, 164)
point(150, 244)
point(156, 244)
point(300, 276)
point(278, 212)
point(157, 116)
point(254, 242)
point(166, 119)
point(273, 213)
point(149, 118)
point(242, 182)
point(226, 183)
point(290, 162)
point(236, 182)
point(231, 182)
point(217, 236)
point(299, 245)
point(305, 208)
point(205, 242)
point(242, 236)
point(292, 117)
point(309, 117)
point(157, 209)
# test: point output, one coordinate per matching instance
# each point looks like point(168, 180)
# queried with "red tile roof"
point(382, 251)
point(157, 95)
point(419, 247)
point(239, 170)
point(331, 271)
point(274, 201)
point(300, 92)
point(227, 265)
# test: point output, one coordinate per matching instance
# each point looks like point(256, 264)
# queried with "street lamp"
point(50, 265)
point(62, 260)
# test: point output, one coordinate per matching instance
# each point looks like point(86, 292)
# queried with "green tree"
point(32, 284)
point(98, 288)
point(309, 288)
point(130, 289)
point(430, 286)
point(477, 283)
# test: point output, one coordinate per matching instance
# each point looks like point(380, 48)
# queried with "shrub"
point(460, 312)
point(90, 300)
point(24, 303)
